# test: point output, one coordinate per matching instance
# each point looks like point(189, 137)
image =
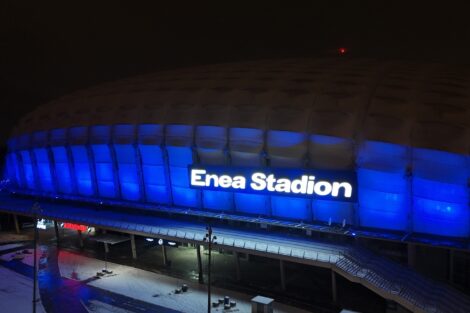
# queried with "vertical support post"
point(451, 266)
point(199, 264)
point(17, 225)
point(134, 250)
point(334, 291)
point(57, 237)
point(165, 258)
point(283, 275)
point(80, 239)
point(35, 282)
point(237, 266)
point(411, 255)
point(106, 247)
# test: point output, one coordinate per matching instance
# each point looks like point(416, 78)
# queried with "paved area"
point(67, 283)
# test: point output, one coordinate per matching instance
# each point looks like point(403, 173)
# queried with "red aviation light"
point(79, 227)
point(342, 51)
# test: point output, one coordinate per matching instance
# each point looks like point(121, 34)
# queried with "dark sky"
point(48, 49)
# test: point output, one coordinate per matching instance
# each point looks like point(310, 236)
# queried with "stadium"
point(357, 166)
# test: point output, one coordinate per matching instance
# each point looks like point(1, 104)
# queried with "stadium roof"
point(420, 105)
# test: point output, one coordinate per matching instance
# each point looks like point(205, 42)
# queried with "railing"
point(401, 283)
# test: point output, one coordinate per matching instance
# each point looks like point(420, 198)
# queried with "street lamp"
point(210, 239)
point(35, 209)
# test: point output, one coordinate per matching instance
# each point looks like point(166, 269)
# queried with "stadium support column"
point(411, 255)
point(199, 264)
point(134, 250)
point(237, 266)
point(165, 257)
point(451, 266)
point(57, 237)
point(106, 247)
point(17, 225)
point(283, 275)
point(80, 239)
point(334, 291)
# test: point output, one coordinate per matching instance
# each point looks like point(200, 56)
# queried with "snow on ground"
point(95, 306)
point(10, 246)
point(154, 288)
point(26, 258)
point(10, 237)
point(16, 293)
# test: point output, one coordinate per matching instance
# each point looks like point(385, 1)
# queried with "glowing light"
point(274, 182)
point(75, 226)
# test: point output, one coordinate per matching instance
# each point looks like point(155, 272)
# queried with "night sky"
point(48, 49)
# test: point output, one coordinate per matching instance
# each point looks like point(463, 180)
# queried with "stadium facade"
point(403, 129)
point(396, 133)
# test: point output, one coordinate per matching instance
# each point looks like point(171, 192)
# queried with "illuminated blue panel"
point(62, 170)
point(104, 170)
point(440, 166)
point(81, 164)
point(446, 192)
point(28, 169)
point(324, 211)
point(285, 139)
point(328, 152)
point(291, 208)
point(383, 156)
point(128, 177)
point(13, 169)
point(211, 142)
point(288, 149)
point(440, 218)
point(383, 199)
point(440, 193)
point(217, 200)
point(44, 169)
point(246, 145)
point(252, 204)
point(153, 170)
point(179, 159)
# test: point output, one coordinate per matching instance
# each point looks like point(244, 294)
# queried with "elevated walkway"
point(384, 277)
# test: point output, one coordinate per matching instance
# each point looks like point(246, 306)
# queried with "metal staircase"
point(399, 283)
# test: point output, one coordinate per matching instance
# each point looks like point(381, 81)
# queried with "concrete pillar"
point(451, 266)
point(106, 246)
point(165, 258)
point(283, 275)
point(237, 266)
point(134, 250)
point(411, 255)
point(57, 237)
point(199, 265)
point(17, 225)
point(80, 239)
point(334, 291)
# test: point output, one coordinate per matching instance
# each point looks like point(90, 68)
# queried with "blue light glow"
point(82, 169)
point(62, 170)
point(104, 170)
point(150, 163)
point(127, 168)
point(153, 171)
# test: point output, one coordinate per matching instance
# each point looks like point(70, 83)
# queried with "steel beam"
point(199, 265)
point(133, 248)
point(283, 275)
point(17, 225)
